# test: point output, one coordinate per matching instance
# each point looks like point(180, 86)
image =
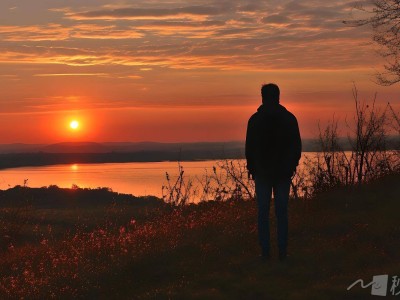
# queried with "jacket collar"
point(270, 108)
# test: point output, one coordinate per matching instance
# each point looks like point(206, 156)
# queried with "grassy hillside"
point(206, 251)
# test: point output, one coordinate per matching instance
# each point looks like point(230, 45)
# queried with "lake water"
point(139, 179)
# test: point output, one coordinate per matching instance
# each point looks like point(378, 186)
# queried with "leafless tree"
point(369, 143)
point(384, 18)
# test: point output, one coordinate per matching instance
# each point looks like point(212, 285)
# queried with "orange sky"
point(155, 71)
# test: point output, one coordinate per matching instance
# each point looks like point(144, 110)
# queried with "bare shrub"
point(179, 192)
point(228, 181)
point(368, 156)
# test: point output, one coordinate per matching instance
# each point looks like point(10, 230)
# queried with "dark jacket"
point(273, 144)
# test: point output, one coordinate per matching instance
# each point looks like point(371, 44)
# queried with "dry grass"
point(210, 251)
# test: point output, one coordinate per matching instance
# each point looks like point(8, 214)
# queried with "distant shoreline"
point(26, 155)
point(17, 160)
point(20, 160)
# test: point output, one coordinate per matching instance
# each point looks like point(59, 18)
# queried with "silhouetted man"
point(273, 150)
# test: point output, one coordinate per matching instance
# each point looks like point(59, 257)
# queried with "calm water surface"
point(139, 179)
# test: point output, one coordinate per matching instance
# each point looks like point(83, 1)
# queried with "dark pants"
point(264, 188)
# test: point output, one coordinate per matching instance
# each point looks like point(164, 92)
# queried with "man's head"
point(270, 93)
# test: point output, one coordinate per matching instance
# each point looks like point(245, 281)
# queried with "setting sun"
point(74, 124)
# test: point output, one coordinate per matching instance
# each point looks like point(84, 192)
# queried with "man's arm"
point(250, 147)
point(296, 142)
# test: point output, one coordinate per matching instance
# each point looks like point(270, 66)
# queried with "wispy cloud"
point(71, 74)
point(59, 32)
point(239, 34)
point(144, 13)
point(133, 44)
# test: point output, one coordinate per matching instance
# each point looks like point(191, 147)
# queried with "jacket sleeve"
point(297, 146)
point(250, 147)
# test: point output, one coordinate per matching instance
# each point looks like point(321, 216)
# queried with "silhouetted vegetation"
point(228, 181)
point(23, 209)
point(203, 251)
point(369, 157)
